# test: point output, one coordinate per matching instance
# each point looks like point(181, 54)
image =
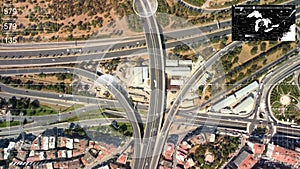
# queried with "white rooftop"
point(140, 74)
point(224, 103)
point(176, 82)
point(51, 142)
point(245, 106)
point(246, 90)
point(45, 143)
point(185, 62)
point(178, 71)
point(171, 63)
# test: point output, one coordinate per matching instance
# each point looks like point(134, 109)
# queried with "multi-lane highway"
point(123, 43)
point(156, 53)
point(21, 62)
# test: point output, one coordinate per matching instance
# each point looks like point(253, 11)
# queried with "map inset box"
point(263, 22)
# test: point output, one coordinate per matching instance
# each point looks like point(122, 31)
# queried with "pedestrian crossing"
point(21, 163)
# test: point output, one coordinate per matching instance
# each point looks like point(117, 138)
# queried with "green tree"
point(263, 46)
point(35, 104)
point(123, 127)
point(254, 50)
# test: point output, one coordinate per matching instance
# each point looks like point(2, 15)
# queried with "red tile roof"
point(248, 163)
point(183, 151)
point(284, 155)
point(33, 158)
point(122, 159)
point(184, 145)
point(259, 148)
point(169, 149)
point(35, 144)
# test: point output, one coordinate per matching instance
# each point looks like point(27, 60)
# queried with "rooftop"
point(224, 103)
point(248, 163)
point(168, 152)
point(241, 158)
point(259, 148)
point(122, 159)
point(285, 155)
point(245, 106)
point(246, 90)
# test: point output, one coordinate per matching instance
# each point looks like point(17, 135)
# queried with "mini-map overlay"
point(263, 22)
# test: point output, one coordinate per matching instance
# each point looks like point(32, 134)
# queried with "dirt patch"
point(209, 157)
point(34, 16)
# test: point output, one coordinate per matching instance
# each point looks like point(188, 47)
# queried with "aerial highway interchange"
point(149, 140)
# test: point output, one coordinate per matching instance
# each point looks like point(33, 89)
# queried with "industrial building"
point(246, 90)
point(141, 74)
point(245, 106)
point(224, 103)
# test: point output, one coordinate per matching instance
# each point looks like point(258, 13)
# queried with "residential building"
point(198, 139)
point(69, 143)
point(166, 164)
point(89, 157)
point(1, 154)
point(45, 143)
point(180, 157)
point(116, 166)
point(245, 160)
point(74, 164)
point(185, 145)
point(122, 159)
point(189, 163)
point(52, 143)
point(104, 167)
point(256, 148)
point(168, 151)
point(283, 155)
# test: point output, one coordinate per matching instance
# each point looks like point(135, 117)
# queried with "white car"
point(154, 81)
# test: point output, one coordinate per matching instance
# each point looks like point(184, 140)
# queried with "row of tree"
point(16, 106)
